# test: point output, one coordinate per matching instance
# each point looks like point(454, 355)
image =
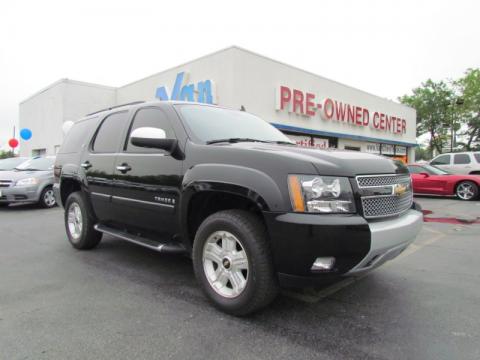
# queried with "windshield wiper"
point(235, 140)
point(28, 169)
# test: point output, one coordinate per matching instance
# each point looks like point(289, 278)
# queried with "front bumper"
point(15, 194)
point(357, 245)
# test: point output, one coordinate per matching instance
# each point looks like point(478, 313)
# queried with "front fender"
point(250, 183)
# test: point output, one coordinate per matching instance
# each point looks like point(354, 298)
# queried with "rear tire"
point(79, 223)
point(233, 262)
point(467, 191)
point(47, 198)
point(4, 204)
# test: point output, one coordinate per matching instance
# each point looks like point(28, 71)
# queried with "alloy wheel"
point(465, 191)
point(75, 221)
point(225, 264)
point(49, 198)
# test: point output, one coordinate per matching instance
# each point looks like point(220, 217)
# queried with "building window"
point(39, 152)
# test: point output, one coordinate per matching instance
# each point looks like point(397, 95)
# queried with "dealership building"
point(313, 111)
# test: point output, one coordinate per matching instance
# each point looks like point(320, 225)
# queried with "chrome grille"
point(396, 195)
point(5, 183)
point(381, 180)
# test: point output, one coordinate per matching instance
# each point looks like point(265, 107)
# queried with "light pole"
point(459, 101)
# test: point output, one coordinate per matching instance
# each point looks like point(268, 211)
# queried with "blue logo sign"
point(202, 93)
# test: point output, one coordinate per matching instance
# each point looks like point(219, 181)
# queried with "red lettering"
point(358, 115)
point(297, 101)
point(398, 128)
point(285, 96)
point(340, 111)
point(376, 123)
point(404, 126)
point(366, 117)
point(382, 121)
point(351, 113)
point(309, 105)
point(328, 108)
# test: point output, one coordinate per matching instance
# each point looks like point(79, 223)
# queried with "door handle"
point(86, 165)
point(124, 168)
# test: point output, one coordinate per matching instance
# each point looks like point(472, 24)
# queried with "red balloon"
point(13, 143)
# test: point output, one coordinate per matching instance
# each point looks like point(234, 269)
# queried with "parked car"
point(31, 181)
point(429, 180)
point(458, 163)
point(11, 163)
point(252, 210)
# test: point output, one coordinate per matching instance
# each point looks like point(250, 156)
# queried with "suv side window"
point(477, 157)
point(441, 160)
point(461, 159)
point(110, 133)
point(78, 135)
point(149, 117)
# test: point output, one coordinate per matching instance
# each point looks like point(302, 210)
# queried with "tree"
point(6, 154)
point(469, 86)
point(433, 102)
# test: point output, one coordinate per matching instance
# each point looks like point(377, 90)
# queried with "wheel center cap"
point(226, 263)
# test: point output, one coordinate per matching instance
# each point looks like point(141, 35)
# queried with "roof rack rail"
point(114, 107)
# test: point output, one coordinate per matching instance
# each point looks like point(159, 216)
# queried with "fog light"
point(323, 263)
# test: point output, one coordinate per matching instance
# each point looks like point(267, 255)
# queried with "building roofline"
point(67, 81)
point(182, 64)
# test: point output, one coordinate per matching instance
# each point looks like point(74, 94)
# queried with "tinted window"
point(461, 159)
point(149, 117)
point(211, 123)
point(110, 133)
point(78, 135)
point(477, 157)
point(441, 160)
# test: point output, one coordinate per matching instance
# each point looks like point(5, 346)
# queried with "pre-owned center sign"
point(306, 104)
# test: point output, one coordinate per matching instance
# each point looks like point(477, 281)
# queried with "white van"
point(458, 163)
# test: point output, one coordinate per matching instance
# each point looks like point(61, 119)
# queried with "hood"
point(15, 175)
point(331, 161)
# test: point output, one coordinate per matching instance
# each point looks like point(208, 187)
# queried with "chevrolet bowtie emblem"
point(399, 189)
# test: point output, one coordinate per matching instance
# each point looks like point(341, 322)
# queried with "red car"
point(429, 180)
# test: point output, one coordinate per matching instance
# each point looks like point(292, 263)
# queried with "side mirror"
point(424, 174)
point(150, 137)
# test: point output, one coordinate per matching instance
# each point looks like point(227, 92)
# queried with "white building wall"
point(257, 79)
point(45, 112)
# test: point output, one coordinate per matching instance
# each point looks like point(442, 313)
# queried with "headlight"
point(321, 194)
point(27, 182)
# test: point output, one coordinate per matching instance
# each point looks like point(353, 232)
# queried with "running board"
point(166, 247)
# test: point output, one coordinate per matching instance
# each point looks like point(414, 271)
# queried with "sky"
point(383, 47)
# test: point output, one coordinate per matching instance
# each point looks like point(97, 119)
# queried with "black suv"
point(252, 210)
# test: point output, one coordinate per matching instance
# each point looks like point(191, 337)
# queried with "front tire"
point(467, 191)
point(47, 198)
point(233, 263)
point(79, 223)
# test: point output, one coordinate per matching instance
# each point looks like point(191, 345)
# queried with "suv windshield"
point(10, 163)
point(38, 164)
point(212, 124)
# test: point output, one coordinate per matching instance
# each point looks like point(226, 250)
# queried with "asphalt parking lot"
point(123, 301)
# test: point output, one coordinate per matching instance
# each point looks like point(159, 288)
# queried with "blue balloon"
point(26, 134)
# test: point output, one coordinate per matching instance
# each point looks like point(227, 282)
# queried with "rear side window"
point(149, 117)
point(461, 159)
point(78, 136)
point(477, 157)
point(110, 133)
point(441, 160)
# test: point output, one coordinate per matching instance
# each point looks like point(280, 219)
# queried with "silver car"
point(29, 182)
